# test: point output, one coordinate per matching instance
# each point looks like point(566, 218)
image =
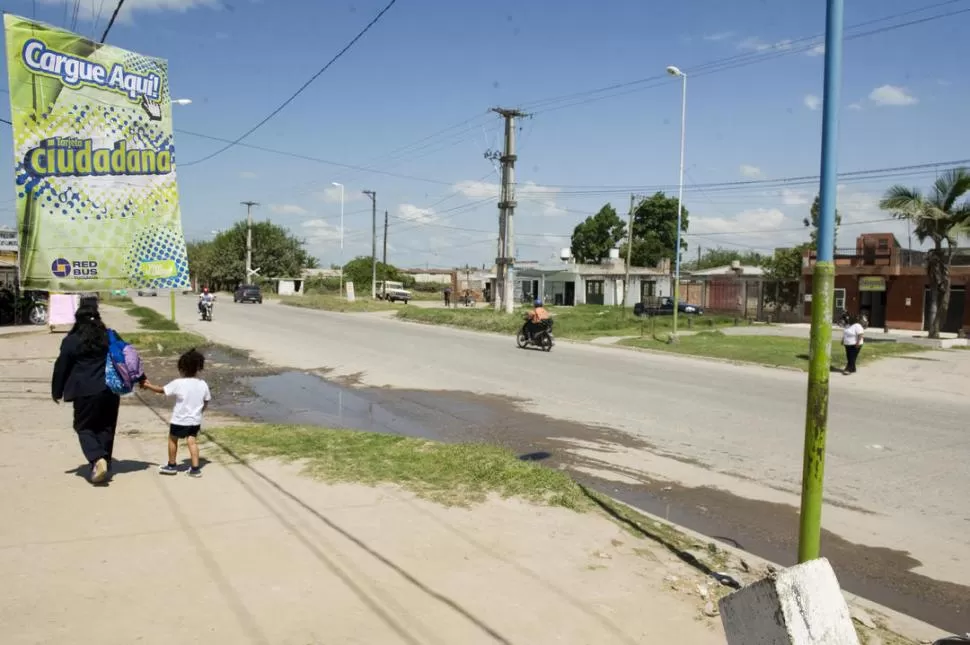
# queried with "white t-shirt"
point(190, 395)
point(852, 334)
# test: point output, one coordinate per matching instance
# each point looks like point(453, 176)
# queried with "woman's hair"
point(191, 363)
point(91, 332)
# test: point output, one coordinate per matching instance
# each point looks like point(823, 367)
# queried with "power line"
point(299, 91)
point(111, 23)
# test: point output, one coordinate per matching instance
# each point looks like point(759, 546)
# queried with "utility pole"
point(505, 276)
point(823, 293)
point(629, 250)
point(373, 242)
point(698, 257)
point(249, 239)
point(384, 284)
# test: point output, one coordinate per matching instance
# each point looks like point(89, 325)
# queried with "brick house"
point(889, 284)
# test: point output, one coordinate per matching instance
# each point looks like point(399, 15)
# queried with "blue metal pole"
point(823, 284)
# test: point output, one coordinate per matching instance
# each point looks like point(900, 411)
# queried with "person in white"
point(853, 337)
point(192, 397)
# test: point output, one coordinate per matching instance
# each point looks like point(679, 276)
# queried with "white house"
point(569, 283)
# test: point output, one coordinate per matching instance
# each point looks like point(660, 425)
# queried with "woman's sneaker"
point(99, 471)
point(168, 469)
point(195, 472)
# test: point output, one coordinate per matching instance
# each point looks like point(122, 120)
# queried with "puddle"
point(766, 529)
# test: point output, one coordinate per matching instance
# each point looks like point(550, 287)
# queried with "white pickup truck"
point(393, 292)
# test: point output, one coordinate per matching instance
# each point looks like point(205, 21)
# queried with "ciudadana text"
point(74, 72)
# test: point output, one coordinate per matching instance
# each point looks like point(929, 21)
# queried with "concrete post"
point(802, 605)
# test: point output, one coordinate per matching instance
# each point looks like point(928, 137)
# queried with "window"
point(648, 289)
point(839, 299)
point(883, 244)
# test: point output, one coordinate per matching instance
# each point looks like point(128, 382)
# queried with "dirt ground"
point(260, 554)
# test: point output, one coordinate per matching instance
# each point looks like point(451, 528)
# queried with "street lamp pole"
point(675, 71)
point(335, 183)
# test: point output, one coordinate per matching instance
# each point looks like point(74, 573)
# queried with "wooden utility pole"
point(384, 261)
point(373, 242)
point(505, 262)
point(629, 250)
point(249, 240)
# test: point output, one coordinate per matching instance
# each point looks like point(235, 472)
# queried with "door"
point(570, 299)
point(954, 315)
point(594, 292)
point(873, 304)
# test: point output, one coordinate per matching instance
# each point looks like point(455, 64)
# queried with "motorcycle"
point(30, 307)
point(206, 307)
point(541, 338)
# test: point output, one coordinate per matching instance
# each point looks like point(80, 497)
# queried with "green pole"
point(171, 299)
point(816, 411)
point(823, 286)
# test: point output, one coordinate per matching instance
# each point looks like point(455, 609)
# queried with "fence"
point(762, 300)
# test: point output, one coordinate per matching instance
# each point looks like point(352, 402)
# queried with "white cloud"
point(529, 191)
point(812, 102)
point(331, 195)
point(817, 50)
point(791, 197)
point(752, 172)
point(944, 82)
point(248, 174)
point(755, 220)
point(416, 214)
point(758, 45)
point(288, 209)
point(319, 232)
point(477, 189)
point(892, 95)
point(719, 36)
point(855, 106)
point(88, 9)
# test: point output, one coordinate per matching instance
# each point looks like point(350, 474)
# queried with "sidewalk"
point(264, 555)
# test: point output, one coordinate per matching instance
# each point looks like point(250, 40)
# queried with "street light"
point(335, 183)
point(675, 71)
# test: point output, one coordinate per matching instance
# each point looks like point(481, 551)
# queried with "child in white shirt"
point(192, 397)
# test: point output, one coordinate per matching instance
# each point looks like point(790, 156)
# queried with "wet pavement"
point(765, 529)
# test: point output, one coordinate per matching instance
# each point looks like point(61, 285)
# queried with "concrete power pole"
point(506, 260)
point(373, 246)
point(249, 239)
point(384, 261)
point(629, 250)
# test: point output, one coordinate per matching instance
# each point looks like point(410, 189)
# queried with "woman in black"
point(79, 378)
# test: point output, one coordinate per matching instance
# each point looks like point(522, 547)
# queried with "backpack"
point(122, 368)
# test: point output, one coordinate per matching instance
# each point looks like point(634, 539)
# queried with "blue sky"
point(431, 64)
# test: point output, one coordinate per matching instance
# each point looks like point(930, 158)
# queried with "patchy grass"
point(453, 474)
point(124, 302)
point(151, 320)
point(777, 351)
point(168, 343)
point(333, 302)
point(583, 322)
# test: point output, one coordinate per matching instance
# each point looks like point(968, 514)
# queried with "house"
point(570, 283)
point(734, 288)
point(443, 277)
point(289, 286)
point(888, 283)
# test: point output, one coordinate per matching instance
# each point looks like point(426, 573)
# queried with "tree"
point(221, 263)
point(655, 230)
point(594, 237)
point(719, 257)
point(939, 218)
point(812, 221)
point(360, 270)
point(783, 271)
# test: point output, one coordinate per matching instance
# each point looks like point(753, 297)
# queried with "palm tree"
point(936, 217)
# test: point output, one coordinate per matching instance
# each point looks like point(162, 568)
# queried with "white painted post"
point(802, 605)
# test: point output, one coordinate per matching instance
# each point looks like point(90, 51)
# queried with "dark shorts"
point(183, 432)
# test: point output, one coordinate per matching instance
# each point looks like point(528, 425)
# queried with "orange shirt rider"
point(539, 313)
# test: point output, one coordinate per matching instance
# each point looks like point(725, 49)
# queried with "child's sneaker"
point(195, 472)
point(168, 469)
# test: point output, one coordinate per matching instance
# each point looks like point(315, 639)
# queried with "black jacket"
point(76, 374)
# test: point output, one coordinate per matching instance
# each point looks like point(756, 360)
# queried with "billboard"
point(94, 159)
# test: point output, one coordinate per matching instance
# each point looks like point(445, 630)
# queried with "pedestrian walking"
point(853, 337)
point(447, 293)
point(192, 397)
point(79, 378)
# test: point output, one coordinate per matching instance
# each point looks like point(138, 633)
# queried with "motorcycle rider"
point(205, 298)
point(537, 319)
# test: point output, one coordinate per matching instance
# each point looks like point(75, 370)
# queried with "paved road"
point(898, 446)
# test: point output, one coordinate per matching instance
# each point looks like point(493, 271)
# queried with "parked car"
point(665, 307)
point(393, 292)
point(248, 293)
point(147, 292)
